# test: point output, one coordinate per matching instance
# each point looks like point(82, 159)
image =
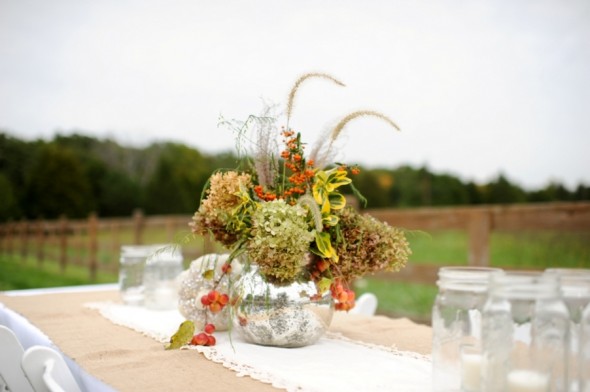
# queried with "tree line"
point(74, 175)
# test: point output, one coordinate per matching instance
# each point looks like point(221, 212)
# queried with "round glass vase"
point(289, 315)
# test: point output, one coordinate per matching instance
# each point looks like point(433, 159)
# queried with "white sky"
point(478, 87)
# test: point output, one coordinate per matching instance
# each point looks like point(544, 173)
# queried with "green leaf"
point(209, 274)
point(318, 194)
point(324, 284)
point(337, 179)
point(330, 220)
point(337, 201)
point(183, 336)
point(324, 245)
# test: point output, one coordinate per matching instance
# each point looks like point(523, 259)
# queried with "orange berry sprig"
point(302, 172)
point(205, 338)
point(215, 301)
point(344, 297)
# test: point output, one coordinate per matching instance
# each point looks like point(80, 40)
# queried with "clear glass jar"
point(575, 290)
point(162, 270)
point(456, 327)
point(525, 329)
point(584, 354)
point(131, 270)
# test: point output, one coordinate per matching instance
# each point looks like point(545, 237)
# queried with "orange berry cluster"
point(205, 338)
point(302, 172)
point(215, 301)
point(266, 196)
point(353, 170)
point(344, 297)
point(319, 268)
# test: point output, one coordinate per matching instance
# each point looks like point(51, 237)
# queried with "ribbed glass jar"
point(456, 327)
point(525, 329)
point(575, 291)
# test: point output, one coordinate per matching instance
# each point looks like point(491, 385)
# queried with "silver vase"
point(280, 315)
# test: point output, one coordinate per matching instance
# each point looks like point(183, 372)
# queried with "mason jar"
point(525, 327)
point(575, 291)
point(584, 354)
point(161, 274)
point(131, 270)
point(456, 327)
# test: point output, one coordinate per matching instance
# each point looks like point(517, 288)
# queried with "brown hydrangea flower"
point(215, 211)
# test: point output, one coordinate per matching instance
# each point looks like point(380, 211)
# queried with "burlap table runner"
point(130, 361)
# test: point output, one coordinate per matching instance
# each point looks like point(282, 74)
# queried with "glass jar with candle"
point(456, 327)
point(162, 269)
point(131, 271)
point(525, 328)
point(584, 354)
point(575, 290)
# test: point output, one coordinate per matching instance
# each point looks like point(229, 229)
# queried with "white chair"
point(11, 353)
point(366, 304)
point(47, 370)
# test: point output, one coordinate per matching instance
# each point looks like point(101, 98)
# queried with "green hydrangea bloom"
point(280, 241)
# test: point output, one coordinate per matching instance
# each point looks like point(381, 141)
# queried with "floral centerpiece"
point(283, 210)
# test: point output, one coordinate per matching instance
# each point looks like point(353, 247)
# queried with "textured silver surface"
point(193, 286)
point(282, 316)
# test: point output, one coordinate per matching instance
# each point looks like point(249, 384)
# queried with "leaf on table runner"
point(209, 274)
point(183, 336)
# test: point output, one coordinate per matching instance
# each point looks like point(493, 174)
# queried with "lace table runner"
point(334, 363)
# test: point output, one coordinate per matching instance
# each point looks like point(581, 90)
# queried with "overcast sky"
point(477, 87)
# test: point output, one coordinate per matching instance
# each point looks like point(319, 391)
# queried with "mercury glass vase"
point(291, 315)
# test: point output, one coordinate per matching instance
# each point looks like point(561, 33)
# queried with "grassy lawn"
point(16, 274)
point(536, 250)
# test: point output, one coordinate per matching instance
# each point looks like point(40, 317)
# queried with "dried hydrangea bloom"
point(215, 211)
point(369, 245)
point(280, 240)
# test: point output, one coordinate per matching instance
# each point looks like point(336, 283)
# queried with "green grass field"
point(530, 250)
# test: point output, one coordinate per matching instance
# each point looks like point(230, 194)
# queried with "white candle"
point(470, 372)
point(527, 381)
point(163, 298)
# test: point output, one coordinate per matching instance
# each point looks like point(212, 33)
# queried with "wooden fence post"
point(478, 230)
point(24, 239)
point(40, 241)
point(169, 228)
point(138, 222)
point(9, 240)
point(115, 237)
point(92, 245)
point(63, 243)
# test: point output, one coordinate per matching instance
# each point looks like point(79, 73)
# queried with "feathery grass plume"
point(298, 83)
point(322, 154)
point(361, 113)
point(309, 201)
point(266, 152)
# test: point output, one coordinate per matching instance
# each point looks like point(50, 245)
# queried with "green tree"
point(8, 205)
point(448, 190)
point(58, 185)
point(501, 191)
point(177, 181)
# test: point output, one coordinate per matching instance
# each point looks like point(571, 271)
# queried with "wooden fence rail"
point(479, 222)
point(95, 242)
